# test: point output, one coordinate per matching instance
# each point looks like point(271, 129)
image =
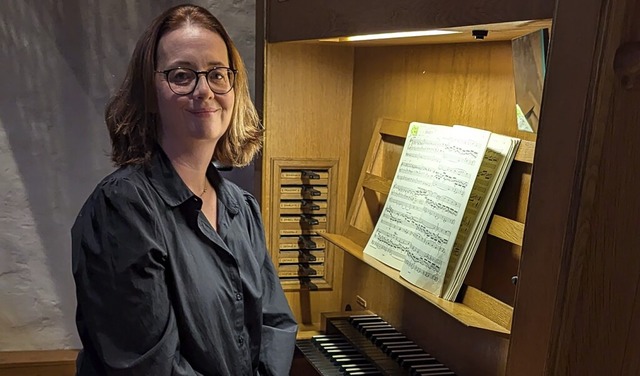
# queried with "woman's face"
point(201, 116)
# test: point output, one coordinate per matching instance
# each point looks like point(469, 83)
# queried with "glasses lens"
point(220, 80)
point(181, 80)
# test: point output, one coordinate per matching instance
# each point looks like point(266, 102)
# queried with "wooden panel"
point(507, 229)
point(313, 84)
point(38, 363)
point(426, 84)
point(549, 216)
point(502, 257)
point(377, 183)
point(595, 314)
point(577, 305)
point(301, 19)
point(492, 312)
point(467, 351)
point(488, 306)
point(525, 151)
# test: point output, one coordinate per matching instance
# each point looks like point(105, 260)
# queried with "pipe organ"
point(322, 100)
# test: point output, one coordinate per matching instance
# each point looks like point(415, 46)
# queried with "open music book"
point(444, 190)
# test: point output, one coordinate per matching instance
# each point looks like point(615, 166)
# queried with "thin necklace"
point(204, 190)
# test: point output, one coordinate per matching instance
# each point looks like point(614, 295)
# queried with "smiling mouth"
point(206, 111)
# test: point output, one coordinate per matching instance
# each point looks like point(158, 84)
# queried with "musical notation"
point(423, 264)
point(423, 209)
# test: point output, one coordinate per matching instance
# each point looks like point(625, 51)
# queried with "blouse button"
point(238, 296)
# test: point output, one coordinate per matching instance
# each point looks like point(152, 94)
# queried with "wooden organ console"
point(323, 98)
point(347, 106)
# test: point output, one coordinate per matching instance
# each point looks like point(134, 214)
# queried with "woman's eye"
point(181, 76)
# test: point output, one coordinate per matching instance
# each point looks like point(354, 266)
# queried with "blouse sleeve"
point(124, 316)
point(279, 327)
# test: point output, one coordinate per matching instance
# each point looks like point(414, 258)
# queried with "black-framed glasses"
point(183, 81)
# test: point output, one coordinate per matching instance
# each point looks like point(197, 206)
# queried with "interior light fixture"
point(401, 34)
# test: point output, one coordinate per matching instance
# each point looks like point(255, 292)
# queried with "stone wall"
point(59, 62)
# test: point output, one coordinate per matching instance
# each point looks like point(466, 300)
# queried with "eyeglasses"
point(183, 81)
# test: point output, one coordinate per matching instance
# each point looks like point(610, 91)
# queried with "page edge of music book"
point(466, 258)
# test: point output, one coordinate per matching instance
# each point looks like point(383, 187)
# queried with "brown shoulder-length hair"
point(131, 114)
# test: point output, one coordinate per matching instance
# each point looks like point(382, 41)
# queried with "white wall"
point(59, 62)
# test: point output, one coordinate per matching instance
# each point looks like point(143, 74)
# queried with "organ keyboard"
point(365, 345)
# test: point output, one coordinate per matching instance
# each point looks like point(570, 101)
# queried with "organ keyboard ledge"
point(477, 309)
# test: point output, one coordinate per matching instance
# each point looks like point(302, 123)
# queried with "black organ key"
point(390, 339)
point(362, 323)
point(423, 368)
point(389, 346)
point(372, 324)
point(378, 330)
point(363, 327)
point(364, 318)
point(407, 361)
point(379, 339)
point(371, 330)
point(433, 369)
point(395, 353)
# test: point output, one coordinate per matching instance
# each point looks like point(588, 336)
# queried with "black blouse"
point(160, 292)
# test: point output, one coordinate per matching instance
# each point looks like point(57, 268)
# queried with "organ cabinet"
point(323, 99)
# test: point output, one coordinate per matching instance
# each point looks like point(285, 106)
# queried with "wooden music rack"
point(474, 308)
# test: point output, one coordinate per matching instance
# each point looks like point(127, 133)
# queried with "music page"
point(401, 215)
point(449, 179)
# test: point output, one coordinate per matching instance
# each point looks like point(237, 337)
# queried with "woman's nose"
point(202, 88)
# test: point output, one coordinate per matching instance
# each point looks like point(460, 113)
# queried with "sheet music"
point(450, 176)
point(401, 215)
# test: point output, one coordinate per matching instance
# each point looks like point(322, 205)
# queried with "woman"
point(170, 262)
